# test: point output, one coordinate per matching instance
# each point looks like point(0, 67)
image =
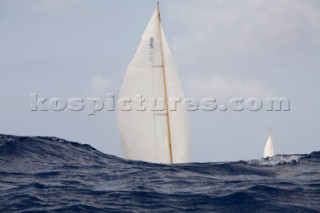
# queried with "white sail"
point(154, 136)
point(268, 149)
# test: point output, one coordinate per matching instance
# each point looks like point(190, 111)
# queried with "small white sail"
point(268, 149)
point(162, 136)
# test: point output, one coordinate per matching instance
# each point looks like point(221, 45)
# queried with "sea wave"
point(52, 174)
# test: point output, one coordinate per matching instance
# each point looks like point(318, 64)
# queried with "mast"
point(165, 89)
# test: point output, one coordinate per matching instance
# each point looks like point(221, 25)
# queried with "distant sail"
point(268, 149)
point(154, 136)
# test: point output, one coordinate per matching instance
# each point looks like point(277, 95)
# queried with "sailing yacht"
point(154, 136)
point(268, 149)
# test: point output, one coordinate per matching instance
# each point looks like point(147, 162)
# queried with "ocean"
point(39, 174)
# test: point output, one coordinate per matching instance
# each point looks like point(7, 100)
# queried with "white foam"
point(277, 160)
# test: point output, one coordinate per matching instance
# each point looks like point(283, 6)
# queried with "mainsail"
point(161, 136)
point(268, 149)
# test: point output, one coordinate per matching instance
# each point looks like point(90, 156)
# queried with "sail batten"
point(146, 135)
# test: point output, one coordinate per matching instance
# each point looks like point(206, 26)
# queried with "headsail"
point(154, 136)
point(268, 149)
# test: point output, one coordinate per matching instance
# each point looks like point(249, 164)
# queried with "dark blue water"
point(51, 174)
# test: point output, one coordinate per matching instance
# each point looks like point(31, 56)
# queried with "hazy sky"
point(222, 49)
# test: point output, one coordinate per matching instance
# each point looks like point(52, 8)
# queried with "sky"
point(222, 49)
